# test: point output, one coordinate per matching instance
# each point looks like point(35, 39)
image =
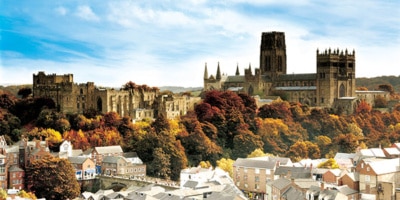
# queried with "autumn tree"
point(244, 143)
point(7, 101)
point(161, 164)
point(226, 164)
point(329, 164)
point(380, 102)
point(257, 153)
point(52, 178)
point(304, 149)
point(28, 195)
point(363, 107)
point(276, 110)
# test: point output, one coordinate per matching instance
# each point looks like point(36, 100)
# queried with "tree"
point(52, 178)
point(363, 107)
point(226, 164)
point(387, 87)
point(3, 194)
point(380, 102)
point(161, 165)
point(25, 92)
point(329, 164)
point(257, 153)
point(28, 195)
point(244, 143)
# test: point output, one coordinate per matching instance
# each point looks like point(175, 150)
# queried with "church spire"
point(251, 72)
point(205, 72)
point(237, 70)
point(218, 76)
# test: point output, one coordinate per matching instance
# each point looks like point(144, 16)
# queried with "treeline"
point(223, 127)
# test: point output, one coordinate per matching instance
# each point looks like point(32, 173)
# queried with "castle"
point(334, 80)
point(138, 102)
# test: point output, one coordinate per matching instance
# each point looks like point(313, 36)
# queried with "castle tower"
point(273, 54)
point(335, 76)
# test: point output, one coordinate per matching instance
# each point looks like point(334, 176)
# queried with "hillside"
point(373, 83)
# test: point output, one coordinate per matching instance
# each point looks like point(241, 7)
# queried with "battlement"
point(335, 52)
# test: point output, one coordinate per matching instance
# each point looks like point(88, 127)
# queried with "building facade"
point(137, 101)
point(334, 79)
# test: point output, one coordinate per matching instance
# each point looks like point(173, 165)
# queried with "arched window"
point(99, 104)
point(342, 91)
point(251, 90)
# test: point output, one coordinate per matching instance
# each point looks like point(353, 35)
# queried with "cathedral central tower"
point(273, 54)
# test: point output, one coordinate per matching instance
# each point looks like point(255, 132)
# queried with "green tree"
point(53, 178)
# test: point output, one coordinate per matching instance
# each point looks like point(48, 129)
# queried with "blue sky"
point(167, 42)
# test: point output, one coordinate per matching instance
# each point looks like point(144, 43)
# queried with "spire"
point(237, 70)
point(205, 72)
point(218, 76)
point(251, 73)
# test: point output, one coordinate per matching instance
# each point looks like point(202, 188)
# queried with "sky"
point(168, 42)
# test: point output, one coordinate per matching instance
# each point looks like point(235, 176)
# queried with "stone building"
point(334, 79)
point(138, 102)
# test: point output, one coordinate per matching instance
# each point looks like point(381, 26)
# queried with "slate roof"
point(281, 160)
point(292, 194)
point(346, 190)
point(15, 168)
point(297, 77)
point(295, 172)
point(306, 183)
point(373, 152)
point(109, 149)
point(235, 79)
point(280, 183)
point(385, 166)
point(77, 160)
point(393, 151)
point(294, 88)
point(251, 163)
point(111, 159)
point(345, 156)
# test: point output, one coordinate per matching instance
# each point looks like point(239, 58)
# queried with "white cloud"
point(86, 13)
point(61, 10)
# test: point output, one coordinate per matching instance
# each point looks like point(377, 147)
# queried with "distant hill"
point(177, 89)
point(13, 89)
point(373, 83)
point(370, 83)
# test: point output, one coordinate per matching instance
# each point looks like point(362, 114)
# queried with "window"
point(257, 179)
point(257, 170)
point(367, 178)
point(256, 186)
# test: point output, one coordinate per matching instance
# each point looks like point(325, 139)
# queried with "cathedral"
point(334, 79)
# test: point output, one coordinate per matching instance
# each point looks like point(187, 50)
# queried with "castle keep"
point(138, 102)
point(335, 77)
